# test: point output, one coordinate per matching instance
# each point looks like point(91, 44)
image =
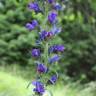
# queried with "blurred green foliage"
point(78, 35)
point(15, 41)
point(9, 87)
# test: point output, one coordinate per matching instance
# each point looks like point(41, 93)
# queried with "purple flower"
point(56, 48)
point(41, 68)
point(59, 48)
point(55, 58)
point(45, 35)
point(53, 79)
point(39, 87)
point(51, 1)
point(35, 52)
point(35, 23)
point(49, 34)
point(57, 6)
point(29, 26)
point(32, 25)
point(34, 6)
point(52, 17)
point(55, 30)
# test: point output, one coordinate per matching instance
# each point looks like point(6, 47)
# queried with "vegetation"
point(12, 86)
point(16, 86)
point(78, 36)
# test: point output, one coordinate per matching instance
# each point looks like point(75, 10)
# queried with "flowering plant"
point(46, 58)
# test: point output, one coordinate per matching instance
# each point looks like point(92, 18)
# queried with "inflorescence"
point(51, 54)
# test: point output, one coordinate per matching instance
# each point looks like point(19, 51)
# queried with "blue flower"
point(41, 68)
point(29, 26)
point(34, 6)
point(49, 34)
point(39, 87)
point(53, 79)
point(56, 48)
point(45, 35)
point(54, 59)
point(55, 30)
point(59, 48)
point(52, 17)
point(35, 52)
point(57, 6)
point(51, 1)
point(32, 25)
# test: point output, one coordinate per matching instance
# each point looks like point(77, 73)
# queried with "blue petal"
point(55, 58)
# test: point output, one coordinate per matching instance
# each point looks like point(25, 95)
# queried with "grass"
point(12, 86)
point(16, 86)
point(24, 72)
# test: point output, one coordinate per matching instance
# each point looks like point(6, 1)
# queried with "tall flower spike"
point(43, 37)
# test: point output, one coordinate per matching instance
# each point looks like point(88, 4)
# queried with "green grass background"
point(12, 86)
point(16, 86)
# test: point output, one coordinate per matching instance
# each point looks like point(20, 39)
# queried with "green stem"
point(46, 53)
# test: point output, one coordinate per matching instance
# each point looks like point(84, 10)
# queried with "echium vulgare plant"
point(46, 54)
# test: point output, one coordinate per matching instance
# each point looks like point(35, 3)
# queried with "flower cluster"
point(51, 53)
